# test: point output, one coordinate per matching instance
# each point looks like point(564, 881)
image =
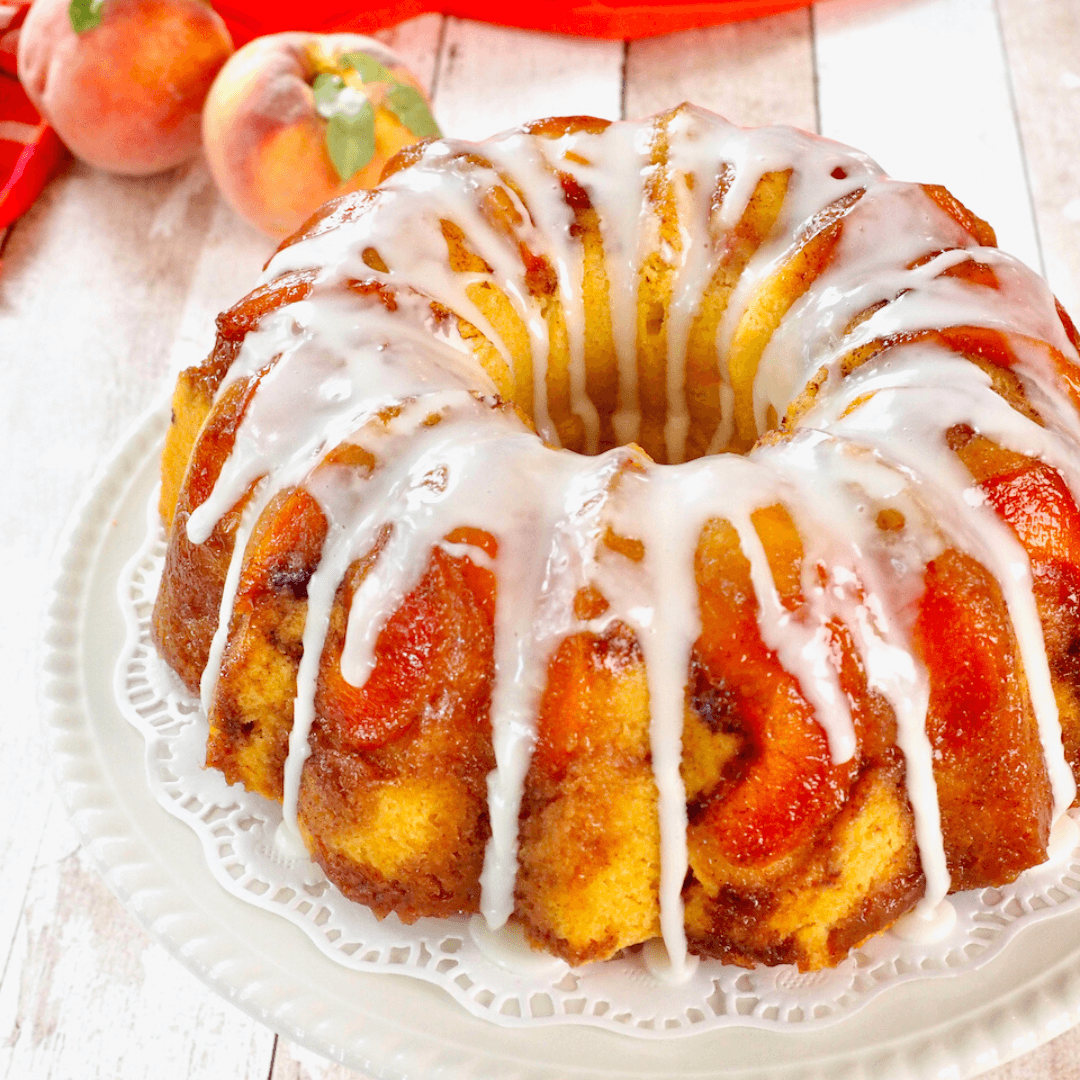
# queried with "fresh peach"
point(127, 92)
point(295, 119)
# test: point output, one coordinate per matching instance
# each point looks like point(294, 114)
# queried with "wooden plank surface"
point(752, 73)
point(924, 89)
point(85, 961)
point(537, 75)
point(1042, 44)
point(107, 284)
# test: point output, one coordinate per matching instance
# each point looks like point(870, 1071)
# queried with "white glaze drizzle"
point(1064, 838)
point(925, 926)
point(875, 438)
point(696, 176)
point(527, 158)
point(615, 179)
point(249, 517)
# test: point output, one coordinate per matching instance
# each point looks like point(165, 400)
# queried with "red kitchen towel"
point(29, 148)
point(585, 18)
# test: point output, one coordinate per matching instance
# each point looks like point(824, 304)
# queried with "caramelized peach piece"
point(1040, 509)
point(424, 646)
point(992, 784)
point(393, 799)
point(785, 786)
point(1038, 505)
point(794, 857)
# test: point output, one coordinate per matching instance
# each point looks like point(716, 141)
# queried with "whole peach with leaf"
point(295, 119)
point(123, 81)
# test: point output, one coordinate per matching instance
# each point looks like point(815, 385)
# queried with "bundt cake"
point(639, 529)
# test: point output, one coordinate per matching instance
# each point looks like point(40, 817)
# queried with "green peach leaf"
point(351, 141)
point(326, 89)
point(409, 106)
point(84, 14)
point(369, 69)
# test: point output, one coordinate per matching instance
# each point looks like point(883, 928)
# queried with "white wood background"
point(108, 284)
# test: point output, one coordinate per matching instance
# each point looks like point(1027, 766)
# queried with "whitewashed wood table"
point(109, 284)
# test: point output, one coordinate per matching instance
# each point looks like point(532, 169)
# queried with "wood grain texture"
point(1057, 1060)
point(536, 75)
point(752, 73)
point(24, 797)
point(227, 264)
point(1043, 47)
point(922, 86)
point(73, 384)
point(99, 1001)
point(418, 43)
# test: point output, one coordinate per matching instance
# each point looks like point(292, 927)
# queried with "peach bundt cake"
point(635, 530)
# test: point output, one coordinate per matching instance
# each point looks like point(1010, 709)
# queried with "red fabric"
point(26, 164)
point(29, 148)
point(585, 18)
point(12, 13)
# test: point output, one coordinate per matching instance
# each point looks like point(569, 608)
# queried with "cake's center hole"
point(706, 407)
